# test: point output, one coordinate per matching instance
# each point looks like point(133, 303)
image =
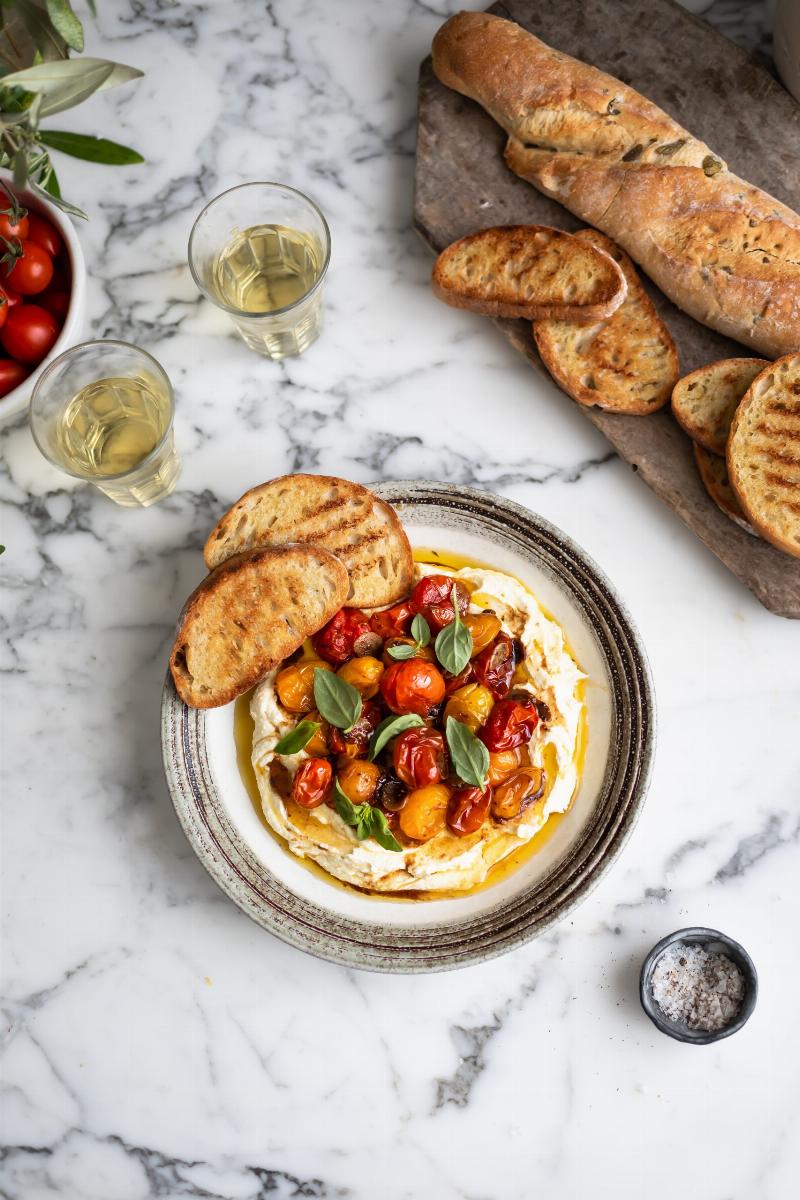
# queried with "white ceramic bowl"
point(17, 401)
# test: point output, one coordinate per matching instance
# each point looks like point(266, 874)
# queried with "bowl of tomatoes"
point(42, 291)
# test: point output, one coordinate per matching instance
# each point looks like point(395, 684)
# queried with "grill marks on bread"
point(704, 401)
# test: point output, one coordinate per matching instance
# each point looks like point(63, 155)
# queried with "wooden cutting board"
point(715, 90)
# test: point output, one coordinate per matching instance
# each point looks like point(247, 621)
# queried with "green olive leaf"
point(382, 833)
point(420, 630)
point(91, 149)
point(68, 81)
point(390, 727)
point(64, 21)
point(294, 741)
point(338, 701)
point(453, 644)
point(468, 755)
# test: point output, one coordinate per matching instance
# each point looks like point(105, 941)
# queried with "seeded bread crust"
point(248, 615)
point(724, 251)
point(528, 271)
point(627, 363)
point(703, 402)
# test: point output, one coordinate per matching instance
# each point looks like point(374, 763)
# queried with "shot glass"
point(103, 412)
point(260, 253)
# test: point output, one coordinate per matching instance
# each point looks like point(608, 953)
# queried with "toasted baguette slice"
point(627, 363)
point(764, 453)
point(528, 271)
point(704, 401)
point(342, 517)
point(714, 474)
point(248, 615)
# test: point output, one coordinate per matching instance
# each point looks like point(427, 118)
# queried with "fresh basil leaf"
point(390, 727)
point(402, 651)
point(294, 741)
point(68, 81)
point(454, 643)
point(65, 22)
point(468, 755)
point(337, 700)
point(91, 149)
point(382, 833)
point(420, 630)
point(359, 816)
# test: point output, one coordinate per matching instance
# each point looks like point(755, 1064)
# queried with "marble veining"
point(155, 1043)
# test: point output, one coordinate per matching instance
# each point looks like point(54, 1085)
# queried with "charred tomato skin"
point(432, 599)
point(312, 783)
point(511, 723)
point(468, 809)
point(419, 757)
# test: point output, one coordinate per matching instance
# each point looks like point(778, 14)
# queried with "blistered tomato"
point(392, 622)
point(494, 666)
point(468, 809)
point(419, 757)
point(346, 634)
point(511, 723)
point(313, 783)
point(517, 792)
point(413, 686)
point(355, 742)
point(432, 597)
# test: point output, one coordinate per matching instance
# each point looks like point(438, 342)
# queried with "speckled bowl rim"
point(369, 944)
point(676, 1029)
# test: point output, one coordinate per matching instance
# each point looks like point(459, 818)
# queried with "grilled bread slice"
point(248, 615)
point(764, 453)
point(626, 363)
point(528, 271)
point(342, 517)
point(704, 401)
point(714, 474)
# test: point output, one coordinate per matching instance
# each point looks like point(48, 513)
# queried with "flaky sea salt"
point(703, 988)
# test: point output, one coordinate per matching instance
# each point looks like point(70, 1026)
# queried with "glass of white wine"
point(260, 253)
point(103, 412)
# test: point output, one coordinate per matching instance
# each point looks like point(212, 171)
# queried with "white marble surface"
point(158, 1044)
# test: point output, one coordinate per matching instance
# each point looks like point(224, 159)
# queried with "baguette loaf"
point(724, 251)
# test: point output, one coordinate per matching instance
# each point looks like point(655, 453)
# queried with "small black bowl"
point(712, 940)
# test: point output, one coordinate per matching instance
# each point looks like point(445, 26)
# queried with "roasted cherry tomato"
point(392, 622)
point(501, 764)
point(354, 743)
point(432, 598)
point(468, 809)
point(511, 723)
point(43, 233)
point(364, 674)
point(346, 634)
point(484, 628)
point(312, 783)
point(413, 686)
point(517, 792)
point(470, 705)
point(29, 333)
point(391, 793)
point(11, 375)
point(425, 812)
point(494, 666)
point(419, 757)
point(56, 303)
point(454, 682)
point(295, 684)
point(358, 779)
point(32, 269)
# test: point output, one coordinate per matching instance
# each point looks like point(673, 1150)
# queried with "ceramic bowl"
point(300, 906)
point(709, 939)
point(17, 400)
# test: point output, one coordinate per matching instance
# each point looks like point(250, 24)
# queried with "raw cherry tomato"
point(312, 783)
point(11, 375)
point(13, 228)
point(511, 723)
point(467, 809)
point(3, 311)
point(346, 634)
point(29, 333)
point(517, 792)
point(431, 598)
point(413, 686)
point(494, 666)
point(32, 271)
point(392, 622)
point(56, 303)
point(43, 233)
point(354, 743)
point(419, 757)
point(11, 296)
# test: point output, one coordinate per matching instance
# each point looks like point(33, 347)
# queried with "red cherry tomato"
point(511, 723)
point(29, 333)
point(44, 234)
point(432, 598)
point(468, 809)
point(3, 310)
point(346, 634)
point(392, 622)
point(454, 682)
point(32, 271)
point(494, 666)
point(419, 757)
point(11, 229)
point(312, 783)
point(56, 303)
point(11, 375)
point(354, 743)
point(62, 276)
point(413, 686)
point(11, 296)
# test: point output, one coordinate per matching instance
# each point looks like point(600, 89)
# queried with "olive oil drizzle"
point(244, 729)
